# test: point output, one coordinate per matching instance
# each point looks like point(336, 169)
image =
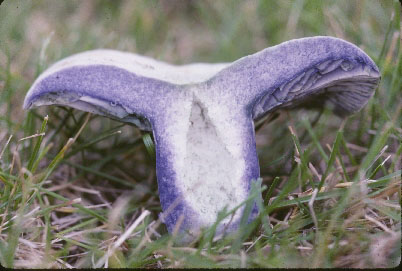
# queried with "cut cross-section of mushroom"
point(201, 115)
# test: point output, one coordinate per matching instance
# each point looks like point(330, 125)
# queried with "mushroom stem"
point(207, 166)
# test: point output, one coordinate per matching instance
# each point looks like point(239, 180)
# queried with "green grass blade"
point(332, 157)
point(37, 145)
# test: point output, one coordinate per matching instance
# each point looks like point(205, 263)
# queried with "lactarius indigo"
point(201, 115)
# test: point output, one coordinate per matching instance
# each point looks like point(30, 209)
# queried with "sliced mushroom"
point(201, 115)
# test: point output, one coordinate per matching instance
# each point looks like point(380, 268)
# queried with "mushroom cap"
point(123, 86)
point(308, 72)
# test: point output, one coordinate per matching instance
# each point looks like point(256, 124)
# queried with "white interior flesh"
point(210, 180)
point(140, 65)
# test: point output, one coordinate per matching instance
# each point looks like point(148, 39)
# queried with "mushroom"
point(201, 115)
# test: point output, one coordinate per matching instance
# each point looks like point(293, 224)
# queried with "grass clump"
point(80, 191)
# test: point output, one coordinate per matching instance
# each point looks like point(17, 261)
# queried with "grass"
point(80, 191)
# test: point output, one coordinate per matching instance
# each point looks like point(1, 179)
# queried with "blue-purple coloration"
point(274, 66)
point(169, 194)
point(252, 77)
point(139, 94)
point(284, 76)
